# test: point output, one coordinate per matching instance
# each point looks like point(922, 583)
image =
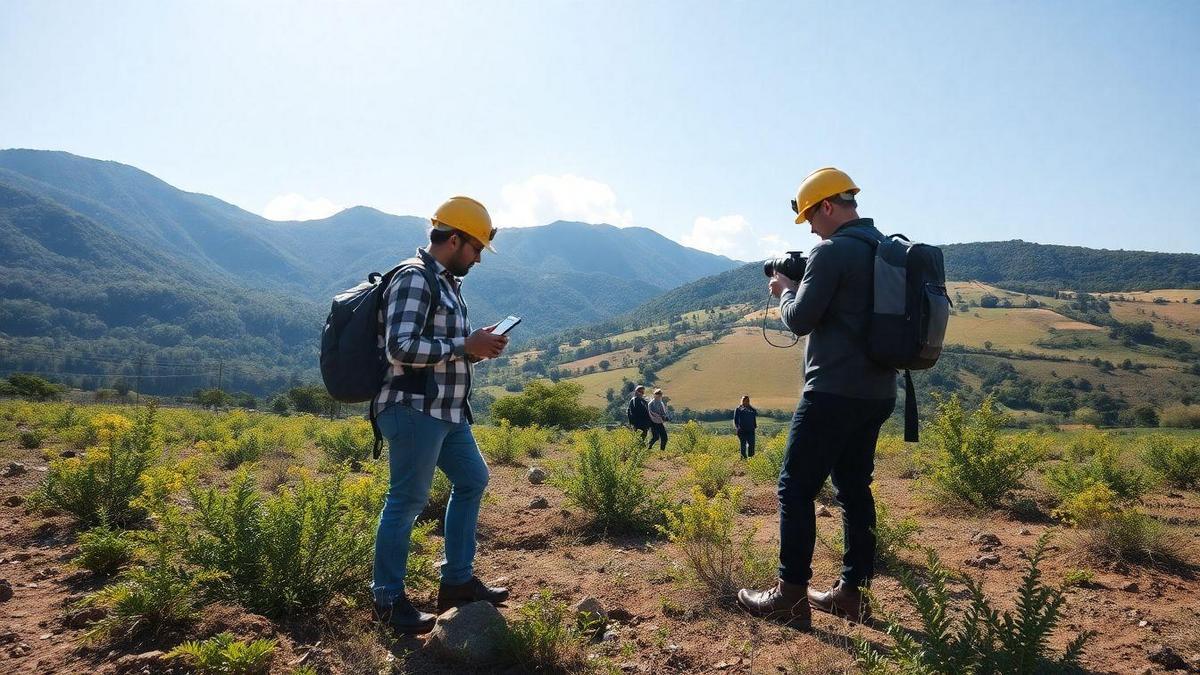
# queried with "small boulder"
point(536, 476)
point(14, 500)
point(82, 618)
point(1025, 531)
point(134, 663)
point(539, 503)
point(473, 634)
point(984, 560)
point(1131, 587)
point(1167, 658)
point(9, 637)
point(13, 469)
point(68, 454)
point(590, 613)
point(985, 539)
point(6, 591)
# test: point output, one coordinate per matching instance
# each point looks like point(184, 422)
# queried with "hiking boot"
point(842, 600)
point(783, 602)
point(404, 617)
point(472, 591)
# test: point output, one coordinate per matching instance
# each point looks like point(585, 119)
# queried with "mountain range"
point(107, 271)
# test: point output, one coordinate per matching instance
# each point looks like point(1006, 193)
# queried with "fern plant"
point(607, 480)
point(224, 655)
point(103, 549)
point(979, 638)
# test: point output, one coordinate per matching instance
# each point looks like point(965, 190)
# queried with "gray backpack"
point(909, 313)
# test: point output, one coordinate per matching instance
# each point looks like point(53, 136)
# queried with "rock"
point(6, 591)
point(536, 476)
point(85, 617)
point(823, 511)
point(13, 469)
point(589, 612)
point(1025, 531)
point(1131, 587)
point(539, 503)
point(9, 637)
point(621, 614)
point(1167, 658)
point(473, 634)
point(131, 663)
point(68, 454)
point(610, 636)
point(48, 573)
point(14, 500)
point(985, 539)
point(19, 650)
point(21, 556)
point(984, 559)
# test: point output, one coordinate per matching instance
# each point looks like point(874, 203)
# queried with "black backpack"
point(910, 310)
point(353, 357)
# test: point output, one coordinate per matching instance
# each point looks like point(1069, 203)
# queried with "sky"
point(1061, 122)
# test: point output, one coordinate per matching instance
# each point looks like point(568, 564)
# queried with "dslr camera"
point(790, 265)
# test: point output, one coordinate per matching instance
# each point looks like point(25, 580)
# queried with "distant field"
point(1172, 320)
point(596, 384)
point(714, 376)
point(1170, 294)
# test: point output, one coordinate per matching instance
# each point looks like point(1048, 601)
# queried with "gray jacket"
point(832, 307)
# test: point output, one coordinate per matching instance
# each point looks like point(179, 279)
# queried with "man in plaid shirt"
point(423, 411)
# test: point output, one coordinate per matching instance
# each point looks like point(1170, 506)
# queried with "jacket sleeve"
point(802, 310)
point(408, 300)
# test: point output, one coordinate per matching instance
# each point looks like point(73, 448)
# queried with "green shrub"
point(606, 479)
point(108, 477)
point(710, 472)
point(767, 462)
point(351, 442)
point(546, 404)
point(103, 549)
point(1080, 471)
point(1176, 461)
point(222, 654)
point(892, 536)
point(971, 462)
point(439, 491)
point(32, 439)
point(500, 444)
point(702, 528)
point(155, 596)
point(247, 446)
point(1134, 537)
point(1078, 577)
point(691, 437)
point(546, 637)
point(1180, 416)
point(288, 551)
point(979, 639)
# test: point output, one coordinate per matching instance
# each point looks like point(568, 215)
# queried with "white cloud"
point(543, 199)
point(733, 236)
point(294, 206)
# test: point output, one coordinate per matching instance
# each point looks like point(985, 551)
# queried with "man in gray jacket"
point(845, 400)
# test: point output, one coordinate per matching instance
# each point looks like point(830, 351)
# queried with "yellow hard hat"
point(466, 215)
point(821, 184)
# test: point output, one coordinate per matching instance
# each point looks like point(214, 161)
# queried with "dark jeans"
point(658, 432)
point(746, 443)
point(642, 431)
point(835, 435)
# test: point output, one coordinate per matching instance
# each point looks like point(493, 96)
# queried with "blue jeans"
point(416, 444)
point(830, 436)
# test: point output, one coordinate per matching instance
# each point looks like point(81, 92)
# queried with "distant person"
point(658, 420)
point(638, 411)
point(423, 411)
point(845, 400)
point(745, 421)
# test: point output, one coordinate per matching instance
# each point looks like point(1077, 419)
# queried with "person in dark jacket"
point(745, 421)
point(845, 400)
point(638, 411)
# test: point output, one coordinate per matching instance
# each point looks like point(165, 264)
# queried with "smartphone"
point(506, 325)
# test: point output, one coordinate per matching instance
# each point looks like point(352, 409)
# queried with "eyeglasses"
point(807, 214)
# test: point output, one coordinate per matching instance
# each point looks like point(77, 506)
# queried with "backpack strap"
point(435, 298)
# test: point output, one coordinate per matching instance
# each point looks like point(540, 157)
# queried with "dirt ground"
point(660, 626)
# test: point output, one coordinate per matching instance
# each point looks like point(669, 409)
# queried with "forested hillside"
point(111, 274)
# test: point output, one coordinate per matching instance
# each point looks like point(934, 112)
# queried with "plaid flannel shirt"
point(401, 325)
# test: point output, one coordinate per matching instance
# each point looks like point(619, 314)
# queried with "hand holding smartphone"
point(506, 325)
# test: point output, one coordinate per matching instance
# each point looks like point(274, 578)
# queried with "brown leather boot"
point(783, 602)
point(472, 591)
point(842, 600)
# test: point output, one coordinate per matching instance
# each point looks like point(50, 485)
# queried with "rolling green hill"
point(107, 267)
